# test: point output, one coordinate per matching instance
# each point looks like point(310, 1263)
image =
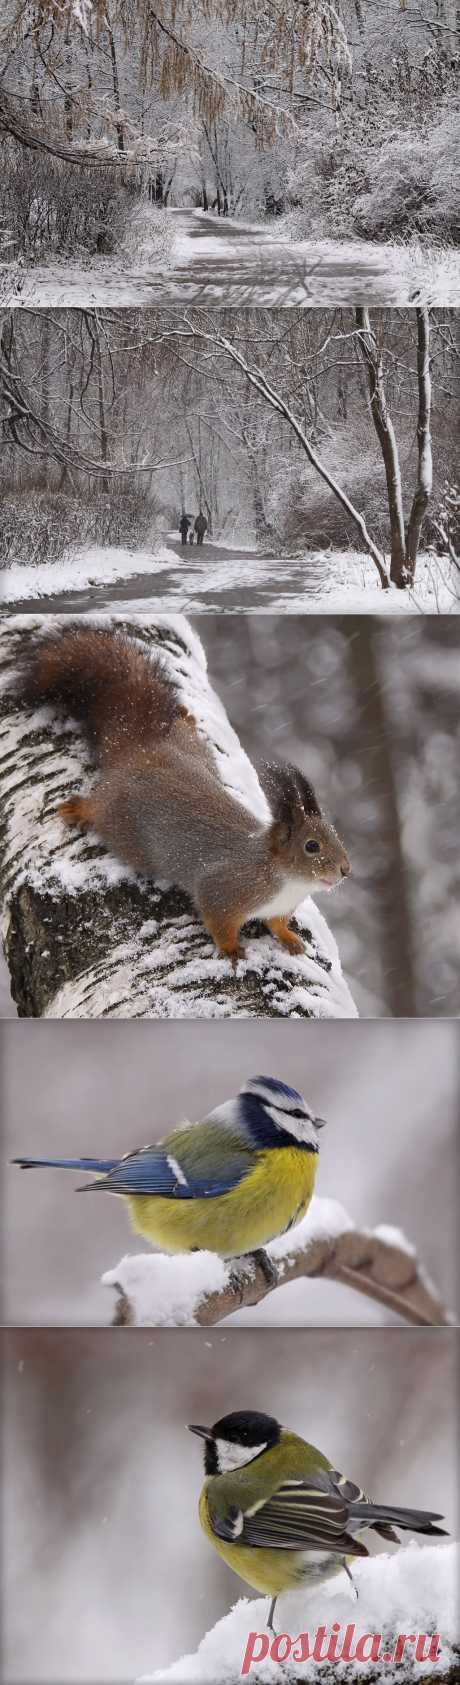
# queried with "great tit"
point(228, 1184)
point(280, 1514)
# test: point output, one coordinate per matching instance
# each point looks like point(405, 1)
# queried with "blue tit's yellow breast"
point(274, 1195)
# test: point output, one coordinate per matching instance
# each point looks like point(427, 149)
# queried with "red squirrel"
point(159, 803)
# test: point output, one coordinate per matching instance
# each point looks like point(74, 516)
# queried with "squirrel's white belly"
point(287, 898)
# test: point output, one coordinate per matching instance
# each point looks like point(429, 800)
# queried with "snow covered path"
point(217, 260)
point(221, 579)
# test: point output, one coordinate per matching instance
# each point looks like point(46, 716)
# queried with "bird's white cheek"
point(231, 1456)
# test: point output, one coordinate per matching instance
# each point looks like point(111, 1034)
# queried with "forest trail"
point(218, 260)
point(238, 579)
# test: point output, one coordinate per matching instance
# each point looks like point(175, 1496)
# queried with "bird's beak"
point(203, 1433)
point(320, 1122)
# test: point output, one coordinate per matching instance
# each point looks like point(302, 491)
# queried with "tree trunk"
point(377, 755)
point(116, 84)
point(83, 937)
point(424, 485)
point(388, 445)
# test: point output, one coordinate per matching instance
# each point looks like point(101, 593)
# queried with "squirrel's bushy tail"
point(120, 691)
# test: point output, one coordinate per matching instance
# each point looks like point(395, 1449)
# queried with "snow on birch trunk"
point(424, 485)
point(84, 937)
point(387, 440)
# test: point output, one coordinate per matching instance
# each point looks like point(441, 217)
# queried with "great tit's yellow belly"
point(275, 1194)
point(267, 1570)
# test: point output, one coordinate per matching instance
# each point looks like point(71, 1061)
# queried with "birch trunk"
point(388, 444)
point(424, 485)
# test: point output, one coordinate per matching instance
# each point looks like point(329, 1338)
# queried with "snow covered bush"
point(414, 182)
point(360, 180)
point(306, 513)
point(37, 526)
point(148, 237)
point(51, 209)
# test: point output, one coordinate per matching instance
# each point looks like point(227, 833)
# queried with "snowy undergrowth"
point(167, 1291)
point(345, 582)
point(149, 238)
point(413, 1589)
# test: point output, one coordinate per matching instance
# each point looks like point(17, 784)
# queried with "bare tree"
point(404, 543)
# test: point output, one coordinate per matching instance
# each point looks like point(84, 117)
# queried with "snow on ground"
point(412, 1590)
point(215, 260)
point(217, 577)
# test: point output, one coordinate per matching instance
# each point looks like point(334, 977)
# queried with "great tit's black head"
point(237, 1439)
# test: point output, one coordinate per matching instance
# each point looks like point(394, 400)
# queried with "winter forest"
point(225, 144)
point(229, 840)
point(320, 448)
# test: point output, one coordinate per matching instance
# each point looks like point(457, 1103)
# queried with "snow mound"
point(415, 1588)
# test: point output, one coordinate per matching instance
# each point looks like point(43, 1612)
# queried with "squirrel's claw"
point(238, 953)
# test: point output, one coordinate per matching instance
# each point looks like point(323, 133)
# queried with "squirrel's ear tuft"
point(289, 793)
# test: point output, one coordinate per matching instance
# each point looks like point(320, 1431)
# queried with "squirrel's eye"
point(311, 847)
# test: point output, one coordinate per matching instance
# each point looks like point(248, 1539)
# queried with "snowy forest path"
point(211, 577)
point(218, 260)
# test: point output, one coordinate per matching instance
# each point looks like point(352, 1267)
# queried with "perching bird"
point(279, 1513)
point(228, 1184)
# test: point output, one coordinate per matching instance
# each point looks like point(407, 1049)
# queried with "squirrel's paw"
point(237, 952)
point(288, 938)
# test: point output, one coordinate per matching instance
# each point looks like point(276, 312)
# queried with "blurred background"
point(101, 1479)
point(389, 1154)
point(371, 713)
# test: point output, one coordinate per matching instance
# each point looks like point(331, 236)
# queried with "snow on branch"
point(201, 1289)
point(413, 1590)
point(83, 936)
point(142, 149)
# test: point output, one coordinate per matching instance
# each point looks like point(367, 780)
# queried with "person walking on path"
point(184, 523)
point(201, 526)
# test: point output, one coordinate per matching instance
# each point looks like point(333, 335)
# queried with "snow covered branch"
point(413, 1590)
point(202, 1289)
point(86, 938)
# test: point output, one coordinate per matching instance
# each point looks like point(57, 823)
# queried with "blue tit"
point(229, 1184)
point(280, 1514)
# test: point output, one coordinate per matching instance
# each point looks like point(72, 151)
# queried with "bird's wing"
point(298, 1516)
point(191, 1163)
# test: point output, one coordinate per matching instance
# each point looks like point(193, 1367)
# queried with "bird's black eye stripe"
point(291, 1113)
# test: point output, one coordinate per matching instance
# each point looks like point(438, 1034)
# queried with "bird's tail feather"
point(415, 1520)
point(99, 1166)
